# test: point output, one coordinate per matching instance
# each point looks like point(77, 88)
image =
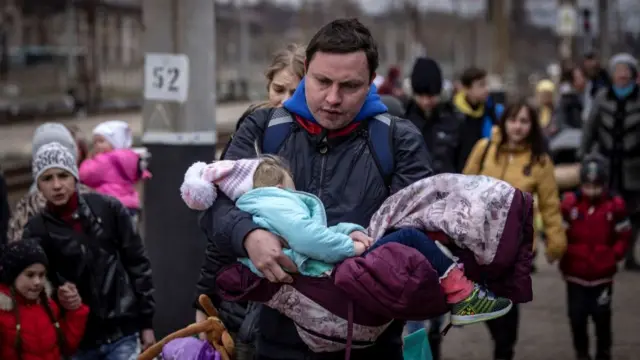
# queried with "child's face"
point(592, 190)
point(30, 282)
point(57, 186)
point(101, 145)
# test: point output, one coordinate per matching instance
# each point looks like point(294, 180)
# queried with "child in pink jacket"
point(114, 169)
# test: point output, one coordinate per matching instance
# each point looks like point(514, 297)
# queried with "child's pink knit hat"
point(233, 177)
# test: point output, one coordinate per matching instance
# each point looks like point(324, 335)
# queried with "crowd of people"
point(310, 191)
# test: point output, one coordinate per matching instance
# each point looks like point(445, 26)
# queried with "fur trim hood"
point(5, 299)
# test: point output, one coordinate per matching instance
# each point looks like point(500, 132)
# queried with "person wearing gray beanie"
point(611, 129)
point(53, 132)
point(54, 156)
point(624, 59)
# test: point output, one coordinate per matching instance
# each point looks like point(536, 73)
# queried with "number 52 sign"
point(166, 77)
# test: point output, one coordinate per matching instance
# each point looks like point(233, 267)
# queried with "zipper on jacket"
point(323, 149)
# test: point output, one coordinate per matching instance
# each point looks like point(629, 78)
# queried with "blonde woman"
point(283, 75)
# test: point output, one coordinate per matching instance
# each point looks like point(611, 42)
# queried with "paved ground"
point(15, 139)
point(544, 328)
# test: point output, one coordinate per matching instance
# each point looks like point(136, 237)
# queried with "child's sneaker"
point(480, 306)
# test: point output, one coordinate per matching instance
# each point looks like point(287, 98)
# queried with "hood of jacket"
point(461, 103)
point(372, 106)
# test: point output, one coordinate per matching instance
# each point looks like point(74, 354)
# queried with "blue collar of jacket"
point(372, 106)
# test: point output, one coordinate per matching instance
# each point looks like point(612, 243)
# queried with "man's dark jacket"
point(346, 179)
point(441, 132)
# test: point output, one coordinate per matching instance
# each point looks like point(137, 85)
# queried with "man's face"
point(478, 92)
point(336, 86)
point(622, 75)
point(427, 102)
point(57, 186)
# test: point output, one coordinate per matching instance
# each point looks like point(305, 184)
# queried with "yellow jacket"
point(539, 180)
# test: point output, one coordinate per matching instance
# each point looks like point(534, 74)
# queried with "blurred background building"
point(55, 54)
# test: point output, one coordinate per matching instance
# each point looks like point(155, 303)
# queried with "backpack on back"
point(380, 138)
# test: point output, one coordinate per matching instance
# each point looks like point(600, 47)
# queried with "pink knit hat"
point(233, 177)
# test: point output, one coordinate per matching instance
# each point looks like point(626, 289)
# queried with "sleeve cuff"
point(146, 322)
point(239, 233)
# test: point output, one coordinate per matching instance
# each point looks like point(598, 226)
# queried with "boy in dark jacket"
point(598, 231)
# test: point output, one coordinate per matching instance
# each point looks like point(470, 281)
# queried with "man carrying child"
point(329, 155)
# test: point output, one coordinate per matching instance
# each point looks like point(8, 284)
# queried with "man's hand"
point(69, 297)
point(265, 252)
point(147, 338)
point(360, 237)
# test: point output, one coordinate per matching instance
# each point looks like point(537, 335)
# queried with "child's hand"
point(359, 247)
point(360, 237)
point(69, 297)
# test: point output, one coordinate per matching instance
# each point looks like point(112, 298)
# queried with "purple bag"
point(189, 348)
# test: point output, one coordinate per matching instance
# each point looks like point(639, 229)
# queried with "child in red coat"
point(598, 231)
point(32, 326)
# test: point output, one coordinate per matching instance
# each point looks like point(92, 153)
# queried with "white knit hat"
point(53, 132)
point(117, 132)
point(233, 177)
point(623, 58)
point(53, 156)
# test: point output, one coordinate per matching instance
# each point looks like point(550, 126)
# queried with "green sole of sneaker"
point(459, 320)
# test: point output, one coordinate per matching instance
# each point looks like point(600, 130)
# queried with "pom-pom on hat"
point(233, 177)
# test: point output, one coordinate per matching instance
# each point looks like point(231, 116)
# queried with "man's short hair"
point(344, 36)
point(471, 75)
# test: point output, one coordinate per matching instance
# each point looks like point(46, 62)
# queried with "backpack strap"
point(381, 144)
point(277, 131)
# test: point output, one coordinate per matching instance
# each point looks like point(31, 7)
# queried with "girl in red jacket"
point(598, 231)
point(31, 324)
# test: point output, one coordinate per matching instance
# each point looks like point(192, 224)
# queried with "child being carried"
point(264, 188)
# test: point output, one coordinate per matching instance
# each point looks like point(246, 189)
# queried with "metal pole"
point(604, 38)
point(500, 36)
point(70, 33)
point(176, 135)
point(245, 47)
point(567, 43)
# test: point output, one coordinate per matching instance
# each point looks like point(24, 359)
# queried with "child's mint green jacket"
point(300, 219)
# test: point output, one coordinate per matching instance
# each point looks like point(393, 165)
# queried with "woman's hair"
point(535, 138)
point(291, 57)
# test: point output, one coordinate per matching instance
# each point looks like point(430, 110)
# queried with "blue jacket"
point(300, 219)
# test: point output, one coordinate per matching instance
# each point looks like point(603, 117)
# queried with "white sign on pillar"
point(567, 21)
point(166, 77)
